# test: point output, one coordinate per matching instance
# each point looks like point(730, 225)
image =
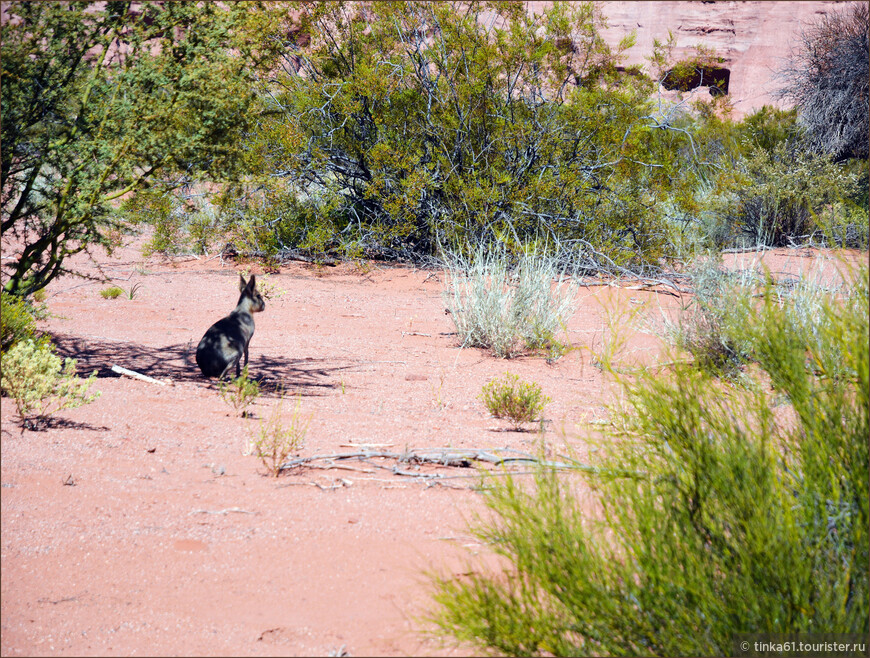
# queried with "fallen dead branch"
point(447, 457)
point(226, 511)
point(136, 375)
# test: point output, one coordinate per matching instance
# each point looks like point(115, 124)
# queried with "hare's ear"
point(242, 283)
point(252, 284)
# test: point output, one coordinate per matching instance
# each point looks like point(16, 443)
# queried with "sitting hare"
point(226, 340)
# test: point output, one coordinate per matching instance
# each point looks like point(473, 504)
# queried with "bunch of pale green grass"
point(507, 307)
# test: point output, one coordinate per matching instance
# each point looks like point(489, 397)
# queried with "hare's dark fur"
point(227, 340)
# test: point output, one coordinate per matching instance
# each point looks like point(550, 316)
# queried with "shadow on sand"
point(275, 375)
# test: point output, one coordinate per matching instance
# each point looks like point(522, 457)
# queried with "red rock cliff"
point(752, 37)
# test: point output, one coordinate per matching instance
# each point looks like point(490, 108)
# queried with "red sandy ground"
point(138, 525)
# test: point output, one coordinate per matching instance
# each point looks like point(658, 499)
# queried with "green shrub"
point(778, 196)
point(521, 402)
point(508, 310)
point(507, 133)
point(720, 510)
point(33, 377)
point(18, 320)
point(240, 392)
point(711, 326)
point(274, 442)
point(112, 292)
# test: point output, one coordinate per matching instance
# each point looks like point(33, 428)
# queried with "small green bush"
point(274, 442)
point(240, 392)
point(18, 320)
point(508, 310)
point(112, 292)
point(508, 397)
point(720, 509)
point(34, 378)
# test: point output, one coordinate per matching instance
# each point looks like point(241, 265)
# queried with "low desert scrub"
point(720, 509)
point(508, 308)
point(519, 401)
point(267, 287)
point(712, 327)
point(18, 320)
point(274, 442)
point(112, 292)
point(709, 327)
point(240, 392)
point(40, 384)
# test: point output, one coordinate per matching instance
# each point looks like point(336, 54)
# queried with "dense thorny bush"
point(402, 126)
point(397, 129)
point(827, 78)
point(765, 186)
point(788, 194)
point(720, 509)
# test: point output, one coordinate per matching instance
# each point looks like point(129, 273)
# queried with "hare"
point(226, 340)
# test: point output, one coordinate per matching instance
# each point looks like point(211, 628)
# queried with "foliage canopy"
point(99, 98)
point(402, 127)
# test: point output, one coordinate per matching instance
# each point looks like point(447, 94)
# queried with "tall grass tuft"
point(272, 443)
point(720, 509)
point(506, 307)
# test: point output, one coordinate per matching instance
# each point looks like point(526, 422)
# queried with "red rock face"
point(752, 37)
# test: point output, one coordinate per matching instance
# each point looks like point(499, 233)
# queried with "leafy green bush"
point(409, 125)
point(240, 392)
point(78, 137)
point(507, 310)
point(18, 320)
point(34, 378)
point(721, 509)
point(756, 182)
point(508, 397)
point(274, 442)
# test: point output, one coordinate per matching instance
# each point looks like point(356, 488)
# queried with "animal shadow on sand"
point(57, 422)
point(309, 377)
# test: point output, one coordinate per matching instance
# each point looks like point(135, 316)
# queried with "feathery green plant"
point(721, 509)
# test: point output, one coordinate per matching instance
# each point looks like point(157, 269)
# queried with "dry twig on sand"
point(136, 375)
point(444, 457)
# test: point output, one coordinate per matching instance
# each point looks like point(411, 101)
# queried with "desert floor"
point(140, 523)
